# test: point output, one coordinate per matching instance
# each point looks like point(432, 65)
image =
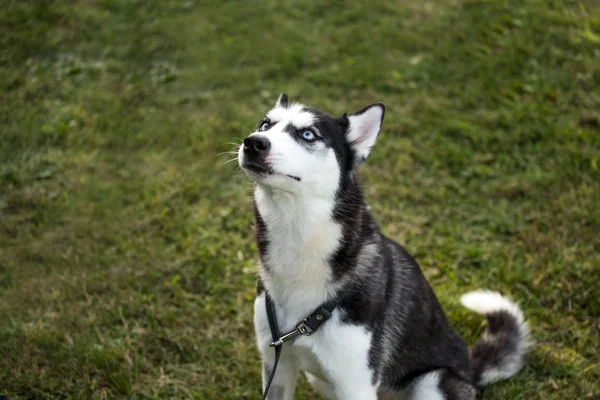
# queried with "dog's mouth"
point(264, 170)
point(258, 169)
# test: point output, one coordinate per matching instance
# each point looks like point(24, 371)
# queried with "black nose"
point(256, 145)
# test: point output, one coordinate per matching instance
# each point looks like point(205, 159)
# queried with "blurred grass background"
point(127, 260)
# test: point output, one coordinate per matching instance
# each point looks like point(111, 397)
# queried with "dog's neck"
point(297, 236)
point(310, 247)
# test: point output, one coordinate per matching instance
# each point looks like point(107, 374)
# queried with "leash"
point(306, 327)
point(272, 317)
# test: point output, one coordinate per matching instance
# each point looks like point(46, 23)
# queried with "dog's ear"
point(363, 129)
point(282, 101)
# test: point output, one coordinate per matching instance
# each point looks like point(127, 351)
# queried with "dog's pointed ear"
point(282, 101)
point(363, 129)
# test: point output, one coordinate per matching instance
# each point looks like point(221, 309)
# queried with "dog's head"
point(303, 150)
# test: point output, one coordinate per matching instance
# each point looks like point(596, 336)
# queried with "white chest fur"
point(301, 237)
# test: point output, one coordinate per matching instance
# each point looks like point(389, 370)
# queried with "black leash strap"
point(307, 327)
point(272, 317)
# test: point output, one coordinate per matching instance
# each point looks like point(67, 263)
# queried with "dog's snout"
point(256, 145)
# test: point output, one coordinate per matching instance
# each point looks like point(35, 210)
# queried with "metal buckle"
point(304, 329)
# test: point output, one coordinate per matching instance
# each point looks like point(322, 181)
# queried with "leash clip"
point(301, 329)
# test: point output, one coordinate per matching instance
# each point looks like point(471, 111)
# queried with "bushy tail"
point(498, 354)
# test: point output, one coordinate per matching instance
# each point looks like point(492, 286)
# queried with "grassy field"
point(127, 260)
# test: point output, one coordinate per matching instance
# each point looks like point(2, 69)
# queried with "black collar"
point(307, 327)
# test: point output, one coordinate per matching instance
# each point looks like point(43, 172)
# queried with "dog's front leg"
point(284, 381)
point(347, 390)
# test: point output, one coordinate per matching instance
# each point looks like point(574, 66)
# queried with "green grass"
point(127, 260)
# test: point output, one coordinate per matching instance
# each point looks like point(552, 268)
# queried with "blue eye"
point(264, 126)
point(309, 136)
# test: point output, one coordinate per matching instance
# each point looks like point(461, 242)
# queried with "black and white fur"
point(388, 338)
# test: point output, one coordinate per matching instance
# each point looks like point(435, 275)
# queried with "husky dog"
point(388, 337)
